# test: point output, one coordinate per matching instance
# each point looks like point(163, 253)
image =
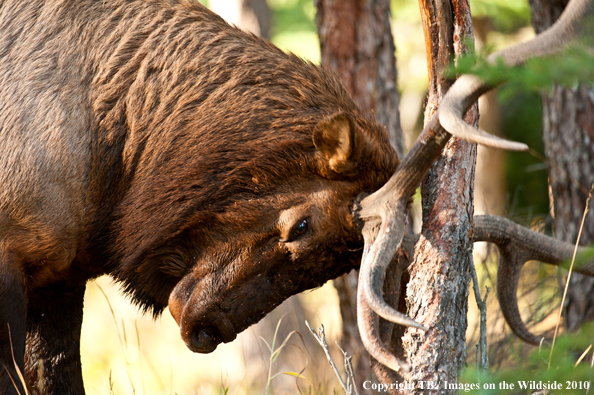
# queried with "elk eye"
point(298, 230)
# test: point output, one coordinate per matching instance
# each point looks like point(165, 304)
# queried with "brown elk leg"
point(12, 323)
point(54, 323)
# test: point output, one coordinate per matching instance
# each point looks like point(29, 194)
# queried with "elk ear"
point(337, 139)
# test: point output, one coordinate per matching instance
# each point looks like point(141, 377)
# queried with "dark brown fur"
point(152, 141)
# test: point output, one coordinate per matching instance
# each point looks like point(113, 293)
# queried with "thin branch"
point(16, 366)
point(482, 361)
point(483, 334)
point(348, 367)
point(590, 382)
point(582, 356)
point(321, 338)
point(569, 272)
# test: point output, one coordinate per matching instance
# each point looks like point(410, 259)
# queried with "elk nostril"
point(205, 340)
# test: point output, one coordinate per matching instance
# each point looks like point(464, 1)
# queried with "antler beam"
point(387, 205)
point(518, 245)
point(573, 24)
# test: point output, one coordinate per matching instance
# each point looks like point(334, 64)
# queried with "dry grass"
point(126, 353)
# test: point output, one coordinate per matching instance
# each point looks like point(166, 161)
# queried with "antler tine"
point(368, 324)
point(517, 246)
point(572, 24)
point(376, 260)
point(465, 91)
point(368, 320)
point(389, 202)
point(387, 205)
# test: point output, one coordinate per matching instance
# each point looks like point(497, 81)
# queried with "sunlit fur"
point(152, 141)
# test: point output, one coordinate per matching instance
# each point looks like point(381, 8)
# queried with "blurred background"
point(124, 352)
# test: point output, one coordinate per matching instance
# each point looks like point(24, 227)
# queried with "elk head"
point(382, 213)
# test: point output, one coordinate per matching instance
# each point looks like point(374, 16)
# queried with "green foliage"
point(564, 370)
point(526, 175)
point(522, 117)
point(275, 353)
point(584, 258)
point(506, 15)
point(293, 15)
point(574, 65)
point(294, 29)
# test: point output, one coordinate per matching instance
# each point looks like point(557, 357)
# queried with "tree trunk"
point(437, 294)
point(568, 119)
point(251, 15)
point(356, 41)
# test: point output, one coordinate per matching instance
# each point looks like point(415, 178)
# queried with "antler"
point(575, 22)
point(367, 318)
point(387, 205)
point(517, 245)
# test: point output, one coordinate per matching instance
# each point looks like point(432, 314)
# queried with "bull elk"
point(202, 168)
point(383, 211)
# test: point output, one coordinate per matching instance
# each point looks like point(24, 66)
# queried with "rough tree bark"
point(437, 294)
point(568, 120)
point(356, 41)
